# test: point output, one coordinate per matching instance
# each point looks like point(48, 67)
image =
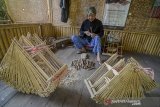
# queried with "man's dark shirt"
point(94, 27)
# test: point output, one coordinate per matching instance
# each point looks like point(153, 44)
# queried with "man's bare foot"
point(98, 58)
point(82, 50)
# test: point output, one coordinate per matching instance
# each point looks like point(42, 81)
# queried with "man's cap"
point(91, 10)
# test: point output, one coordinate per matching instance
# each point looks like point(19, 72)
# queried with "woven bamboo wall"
point(146, 41)
point(28, 11)
point(8, 32)
point(132, 41)
point(77, 11)
point(139, 19)
point(61, 32)
point(82, 7)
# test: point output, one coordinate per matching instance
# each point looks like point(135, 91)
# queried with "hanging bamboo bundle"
point(34, 69)
point(131, 82)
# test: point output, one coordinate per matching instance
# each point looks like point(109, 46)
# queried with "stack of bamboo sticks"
point(122, 81)
point(37, 73)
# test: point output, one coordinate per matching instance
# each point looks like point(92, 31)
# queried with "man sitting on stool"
point(90, 33)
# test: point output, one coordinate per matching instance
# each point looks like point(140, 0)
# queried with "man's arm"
point(101, 33)
point(82, 29)
point(101, 30)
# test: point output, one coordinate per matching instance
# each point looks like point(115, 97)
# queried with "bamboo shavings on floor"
point(70, 78)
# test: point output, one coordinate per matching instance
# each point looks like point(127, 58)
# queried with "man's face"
point(91, 17)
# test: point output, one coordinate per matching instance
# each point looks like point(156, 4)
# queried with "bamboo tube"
point(142, 43)
point(131, 42)
point(32, 30)
point(124, 39)
point(23, 30)
point(158, 49)
point(2, 45)
point(27, 30)
point(1, 55)
point(17, 32)
point(11, 33)
point(126, 42)
point(131, 45)
point(20, 32)
point(6, 32)
point(14, 33)
point(156, 46)
point(137, 46)
point(5, 40)
point(150, 44)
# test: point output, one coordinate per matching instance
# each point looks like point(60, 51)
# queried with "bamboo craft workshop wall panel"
point(8, 32)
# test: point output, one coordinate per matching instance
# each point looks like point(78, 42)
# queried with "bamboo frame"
point(122, 81)
point(39, 75)
point(103, 75)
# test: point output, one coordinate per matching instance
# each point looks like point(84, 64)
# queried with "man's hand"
point(87, 33)
point(93, 35)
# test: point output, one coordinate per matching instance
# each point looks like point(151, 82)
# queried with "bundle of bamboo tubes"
point(37, 72)
point(122, 81)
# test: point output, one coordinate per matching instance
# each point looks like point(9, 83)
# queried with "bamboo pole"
point(5, 40)
point(7, 34)
point(2, 45)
